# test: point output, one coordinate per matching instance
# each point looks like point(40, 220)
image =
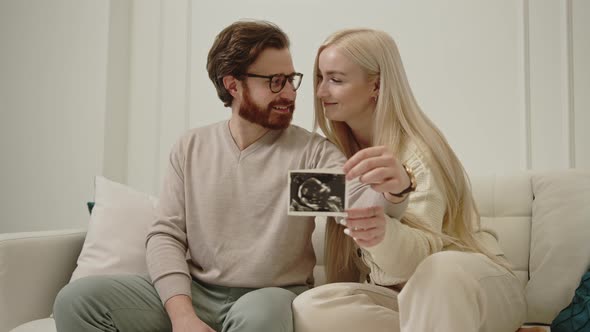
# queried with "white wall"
point(458, 59)
point(506, 81)
point(63, 108)
point(105, 87)
point(580, 70)
point(116, 119)
point(159, 85)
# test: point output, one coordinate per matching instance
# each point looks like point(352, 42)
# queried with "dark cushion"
point(576, 316)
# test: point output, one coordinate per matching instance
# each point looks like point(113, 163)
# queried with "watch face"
point(413, 183)
point(411, 187)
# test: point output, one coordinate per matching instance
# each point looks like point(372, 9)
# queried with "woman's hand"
point(378, 167)
point(365, 225)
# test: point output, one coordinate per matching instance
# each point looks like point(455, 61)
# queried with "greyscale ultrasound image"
point(314, 192)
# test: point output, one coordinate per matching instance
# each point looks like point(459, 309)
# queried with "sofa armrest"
point(34, 266)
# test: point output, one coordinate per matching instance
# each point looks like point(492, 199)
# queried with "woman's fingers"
point(366, 212)
point(366, 225)
point(378, 167)
point(362, 155)
point(378, 176)
point(368, 164)
point(364, 233)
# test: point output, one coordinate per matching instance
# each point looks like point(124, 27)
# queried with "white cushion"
point(115, 242)
point(560, 241)
point(319, 271)
point(40, 325)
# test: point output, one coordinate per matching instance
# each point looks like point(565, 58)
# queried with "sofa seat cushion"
point(40, 325)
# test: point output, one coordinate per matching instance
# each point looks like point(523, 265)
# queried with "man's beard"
point(266, 117)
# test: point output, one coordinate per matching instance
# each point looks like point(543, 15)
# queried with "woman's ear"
point(377, 84)
point(231, 85)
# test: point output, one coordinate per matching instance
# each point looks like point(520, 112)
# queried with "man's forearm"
point(183, 316)
point(179, 306)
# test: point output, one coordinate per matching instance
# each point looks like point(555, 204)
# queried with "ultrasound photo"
point(317, 193)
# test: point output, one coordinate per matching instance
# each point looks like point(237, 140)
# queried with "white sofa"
point(536, 240)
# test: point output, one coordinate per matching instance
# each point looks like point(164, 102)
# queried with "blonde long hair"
point(397, 119)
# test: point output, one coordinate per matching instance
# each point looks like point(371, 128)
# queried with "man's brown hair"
point(236, 47)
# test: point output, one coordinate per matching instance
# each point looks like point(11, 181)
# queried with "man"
point(224, 205)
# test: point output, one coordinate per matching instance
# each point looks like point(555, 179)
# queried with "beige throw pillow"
point(115, 242)
point(560, 241)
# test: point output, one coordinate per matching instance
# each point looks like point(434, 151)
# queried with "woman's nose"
point(321, 90)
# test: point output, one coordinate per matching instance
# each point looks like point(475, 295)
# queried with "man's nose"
point(288, 92)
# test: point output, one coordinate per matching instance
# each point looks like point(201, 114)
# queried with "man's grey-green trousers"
point(131, 303)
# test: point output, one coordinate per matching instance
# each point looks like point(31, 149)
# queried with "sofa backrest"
point(505, 207)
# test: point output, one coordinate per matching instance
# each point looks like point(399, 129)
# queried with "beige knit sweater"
point(395, 259)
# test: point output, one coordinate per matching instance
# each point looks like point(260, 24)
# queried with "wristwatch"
point(411, 187)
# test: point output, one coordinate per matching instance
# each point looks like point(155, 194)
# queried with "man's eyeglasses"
point(277, 82)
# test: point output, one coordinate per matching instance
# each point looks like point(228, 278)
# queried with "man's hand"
point(183, 316)
point(190, 323)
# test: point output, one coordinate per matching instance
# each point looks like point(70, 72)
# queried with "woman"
point(431, 268)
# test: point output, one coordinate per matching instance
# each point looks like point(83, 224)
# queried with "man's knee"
point(266, 309)
point(80, 296)
point(75, 293)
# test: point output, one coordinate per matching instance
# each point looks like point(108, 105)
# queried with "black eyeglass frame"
point(270, 78)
